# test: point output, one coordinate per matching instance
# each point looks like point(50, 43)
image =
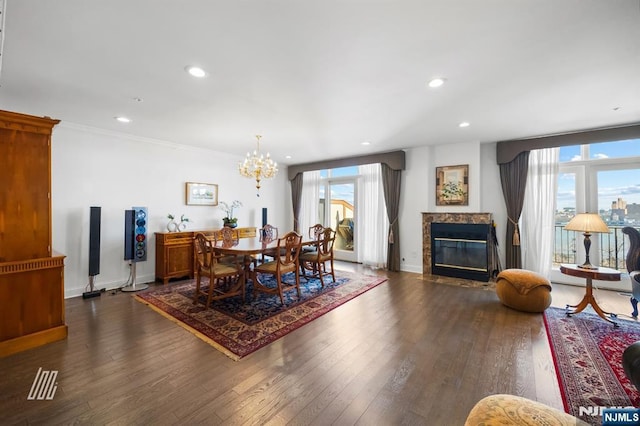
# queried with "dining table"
point(248, 248)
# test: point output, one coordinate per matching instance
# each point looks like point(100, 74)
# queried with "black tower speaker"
point(94, 241)
point(264, 216)
point(135, 234)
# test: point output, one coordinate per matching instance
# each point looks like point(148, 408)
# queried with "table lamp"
point(587, 223)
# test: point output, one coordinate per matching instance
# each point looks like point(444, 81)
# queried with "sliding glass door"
point(337, 210)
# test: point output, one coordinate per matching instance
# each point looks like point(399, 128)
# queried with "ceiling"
point(318, 78)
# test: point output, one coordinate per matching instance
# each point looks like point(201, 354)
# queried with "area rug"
point(238, 329)
point(587, 352)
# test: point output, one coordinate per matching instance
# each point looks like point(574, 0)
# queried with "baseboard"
point(33, 340)
point(107, 286)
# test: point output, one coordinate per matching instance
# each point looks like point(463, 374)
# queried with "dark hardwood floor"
point(409, 352)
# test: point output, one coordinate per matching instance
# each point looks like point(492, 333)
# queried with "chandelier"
point(258, 167)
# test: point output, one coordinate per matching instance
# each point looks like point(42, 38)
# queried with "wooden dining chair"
point(314, 233)
point(316, 261)
point(226, 237)
point(286, 260)
point(229, 236)
point(225, 280)
point(267, 234)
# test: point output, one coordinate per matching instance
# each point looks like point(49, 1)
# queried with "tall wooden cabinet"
point(174, 252)
point(31, 274)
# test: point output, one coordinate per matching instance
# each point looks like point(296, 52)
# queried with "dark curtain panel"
point(513, 176)
point(391, 185)
point(296, 195)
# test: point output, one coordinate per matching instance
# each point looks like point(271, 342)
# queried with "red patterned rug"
point(587, 353)
point(238, 329)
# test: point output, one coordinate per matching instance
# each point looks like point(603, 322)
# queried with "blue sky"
point(611, 184)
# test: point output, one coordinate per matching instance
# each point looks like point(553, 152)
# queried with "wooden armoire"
point(31, 274)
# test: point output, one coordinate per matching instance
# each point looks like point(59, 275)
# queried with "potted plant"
point(229, 220)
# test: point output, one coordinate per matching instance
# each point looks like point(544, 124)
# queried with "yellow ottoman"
point(523, 290)
point(496, 410)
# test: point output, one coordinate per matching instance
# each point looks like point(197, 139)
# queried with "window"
point(603, 178)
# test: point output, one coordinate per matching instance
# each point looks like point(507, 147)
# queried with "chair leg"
point(210, 295)
point(197, 292)
point(320, 274)
point(333, 273)
point(279, 283)
point(298, 285)
point(244, 286)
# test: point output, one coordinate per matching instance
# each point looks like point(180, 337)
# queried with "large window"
point(603, 178)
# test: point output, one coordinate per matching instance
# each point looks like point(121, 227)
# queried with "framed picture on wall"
point(452, 185)
point(201, 194)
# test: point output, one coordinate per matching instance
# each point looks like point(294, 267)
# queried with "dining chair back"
point(315, 231)
point(228, 235)
point(268, 233)
point(286, 260)
point(225, 279)
point(316, 261)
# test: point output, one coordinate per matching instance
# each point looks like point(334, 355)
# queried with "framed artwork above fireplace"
point(452, 185)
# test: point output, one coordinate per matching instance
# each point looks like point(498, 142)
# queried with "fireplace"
point(451, 218)
point(460, 250)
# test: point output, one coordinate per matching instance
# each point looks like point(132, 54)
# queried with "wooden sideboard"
point(174, 252)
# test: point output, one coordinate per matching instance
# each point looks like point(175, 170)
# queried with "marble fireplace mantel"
point(429, 217)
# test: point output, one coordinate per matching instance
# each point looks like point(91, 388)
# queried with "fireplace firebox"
point(461, 250)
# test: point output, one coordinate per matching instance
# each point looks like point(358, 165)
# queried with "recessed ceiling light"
point(195, 71)
point(123, 119)
point(463, 124)
point(436, 82)
point(288, 157)
point(365, 143)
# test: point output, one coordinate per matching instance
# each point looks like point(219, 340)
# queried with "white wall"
point(91, 167)
point(418, 192)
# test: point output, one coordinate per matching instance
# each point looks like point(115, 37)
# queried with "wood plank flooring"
point(409, 352)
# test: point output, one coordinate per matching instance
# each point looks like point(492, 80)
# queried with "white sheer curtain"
point(371, 217)
point(538, 212)
point(309, 201)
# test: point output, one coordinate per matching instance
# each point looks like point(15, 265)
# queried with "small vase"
point(230, 224)
point(172, 226)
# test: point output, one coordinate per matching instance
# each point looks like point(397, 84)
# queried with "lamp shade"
point(587, 222)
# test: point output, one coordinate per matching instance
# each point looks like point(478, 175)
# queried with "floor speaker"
point(94, 241)
point(135, 234)
point(129, 225)
point(140, 234)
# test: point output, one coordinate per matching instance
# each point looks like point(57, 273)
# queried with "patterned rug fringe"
point(196, 333)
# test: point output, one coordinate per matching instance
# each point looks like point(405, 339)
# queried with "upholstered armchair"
point(633, 266)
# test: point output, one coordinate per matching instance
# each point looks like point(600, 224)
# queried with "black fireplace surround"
point(461, 250)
